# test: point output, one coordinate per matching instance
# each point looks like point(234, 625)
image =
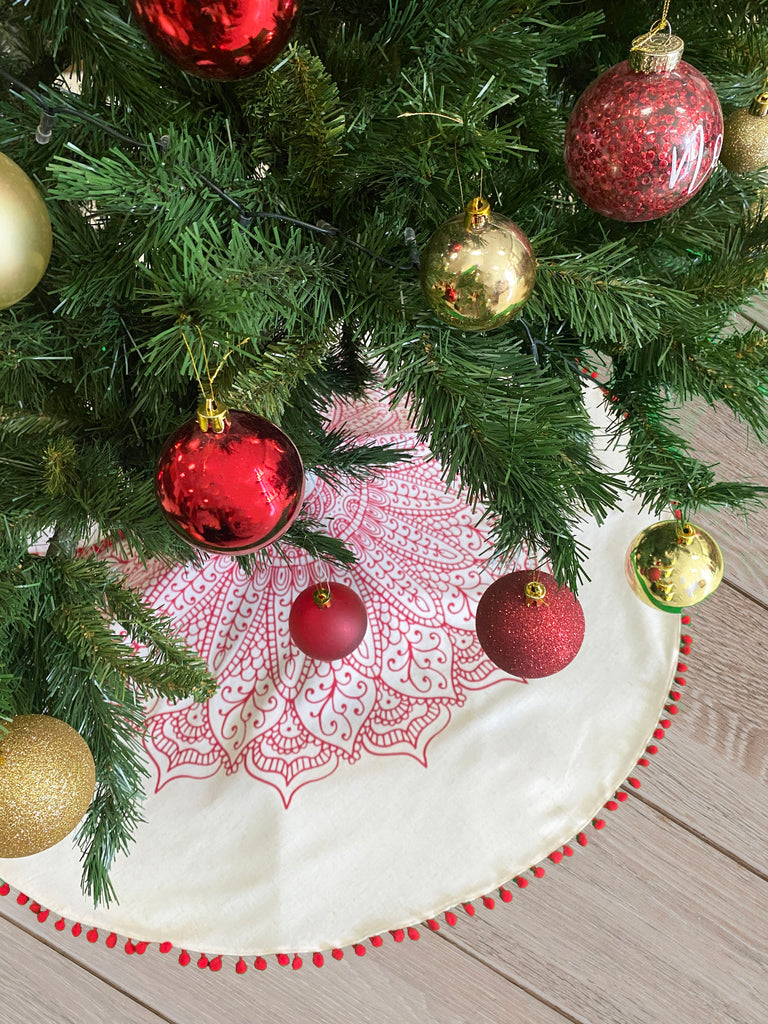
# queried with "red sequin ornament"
point(327, 621)
point(644, 136)
point(221, 39)
point(525, 632)
point(229, 481)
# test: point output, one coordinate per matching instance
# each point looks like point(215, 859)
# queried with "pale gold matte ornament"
point(47, 781)
point(673, 565)
point(25, 234)
point(477, 269)
point(745, 137)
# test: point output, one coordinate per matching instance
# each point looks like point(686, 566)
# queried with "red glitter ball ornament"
point(231, 490)
point(525, 632)
point(644, 136)
point(220, 39)
point(327, 621)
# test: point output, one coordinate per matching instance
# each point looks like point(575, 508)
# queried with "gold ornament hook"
point(212, 416)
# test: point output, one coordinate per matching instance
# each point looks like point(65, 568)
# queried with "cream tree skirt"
point(309, 806)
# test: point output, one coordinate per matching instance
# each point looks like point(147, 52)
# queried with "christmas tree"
point(255, 241)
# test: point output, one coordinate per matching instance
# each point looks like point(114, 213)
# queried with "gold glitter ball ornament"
point(745, 137)
point(477, 269)
point(47, 781)
point(25, 231)
point(673, 565)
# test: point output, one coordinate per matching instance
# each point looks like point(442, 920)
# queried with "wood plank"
point(41, 985)
point(715, 761)
point(648, 924)
point(717, 437)
point(427, 981)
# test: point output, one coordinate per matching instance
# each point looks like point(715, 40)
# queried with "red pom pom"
point(529, 640)
point(638, 145)
point(218, 40)
point(327, 621)
point(232, 492)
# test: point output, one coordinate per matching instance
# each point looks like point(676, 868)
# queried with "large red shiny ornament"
point(640, 144)
point(327, 621)
point(234, 491)
point(221, 39)
point(526, 635)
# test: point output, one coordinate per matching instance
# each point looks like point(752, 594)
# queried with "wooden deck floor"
point(662, 919)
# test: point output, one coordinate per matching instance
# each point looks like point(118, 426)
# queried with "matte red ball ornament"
point(327, 621)
point(219, 39)
point(229, 481)
point(644, 136)
point(529, 626)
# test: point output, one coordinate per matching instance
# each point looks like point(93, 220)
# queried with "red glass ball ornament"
point(232, 491)
point(526, 634)
point(327, 621)
point(639, 144)
point(219, 39)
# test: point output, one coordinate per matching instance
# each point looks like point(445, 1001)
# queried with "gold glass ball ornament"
point(25, 233)
point(673, 565)
point(745, 137)
point(477, 269)
point(47, 781)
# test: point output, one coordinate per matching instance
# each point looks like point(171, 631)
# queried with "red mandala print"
point(288, 720)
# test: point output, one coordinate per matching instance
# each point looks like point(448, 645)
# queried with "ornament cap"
point(322, 595)
point(535, 592)
point(759, 105)
point(686, 534)
point(654, 53)
point(212, 416)
point(477, 213)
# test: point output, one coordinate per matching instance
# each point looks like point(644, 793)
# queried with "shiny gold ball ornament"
point(477, 269)
point(25, 233)
point(745, 137)
point(47, 781)
point(673, 565)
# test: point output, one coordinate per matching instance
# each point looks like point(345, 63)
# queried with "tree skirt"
point(308, 806)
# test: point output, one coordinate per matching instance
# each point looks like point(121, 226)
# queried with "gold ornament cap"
point(759, 105)
point(477, 214)
point(535, 592)
point(212, 416)
point(322, 595)
point(655, 52)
